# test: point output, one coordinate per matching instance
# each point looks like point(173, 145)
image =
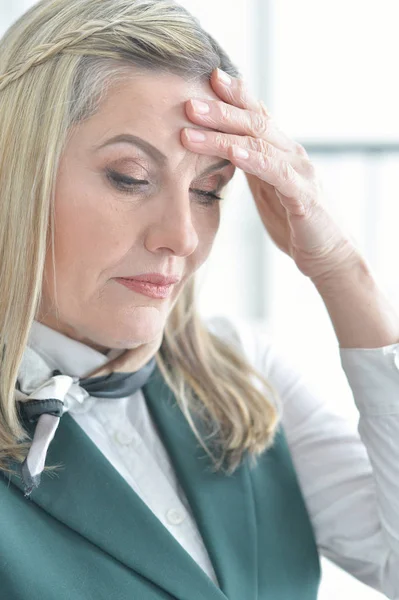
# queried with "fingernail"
point(223, 77)
point(240, 152)
point(200, 107)
point(195, 136)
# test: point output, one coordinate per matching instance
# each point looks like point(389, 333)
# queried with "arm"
point(349, 479)
point(360, 313)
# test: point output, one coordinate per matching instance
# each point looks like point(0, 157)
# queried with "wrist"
point(361, 314)
point(354, 272)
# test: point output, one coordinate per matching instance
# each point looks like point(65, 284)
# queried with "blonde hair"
point(56, 63)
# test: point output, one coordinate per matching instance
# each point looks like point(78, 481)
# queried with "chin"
point(142, 325)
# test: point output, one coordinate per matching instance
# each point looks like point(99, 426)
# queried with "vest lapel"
point(223, 506)
point(89, 496)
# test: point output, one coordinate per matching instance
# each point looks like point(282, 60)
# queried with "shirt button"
point(124, 438)
point(174, 517)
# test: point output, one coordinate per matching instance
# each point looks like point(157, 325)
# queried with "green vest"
point(84, 534)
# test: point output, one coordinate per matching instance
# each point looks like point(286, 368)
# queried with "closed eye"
point(208, 194)
point(125, 184)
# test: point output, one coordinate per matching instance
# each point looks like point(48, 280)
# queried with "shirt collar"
point(61, 352)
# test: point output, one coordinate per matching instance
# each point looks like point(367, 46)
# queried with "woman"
point(147, 454)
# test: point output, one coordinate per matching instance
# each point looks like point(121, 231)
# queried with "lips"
point(154, 278)
point(147, 289)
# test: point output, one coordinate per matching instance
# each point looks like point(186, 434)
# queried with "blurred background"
point(327, 71)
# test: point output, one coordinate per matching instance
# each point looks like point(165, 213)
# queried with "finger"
point(216, 143)
point(230, 119)
point(280, 174)
point(235, 92)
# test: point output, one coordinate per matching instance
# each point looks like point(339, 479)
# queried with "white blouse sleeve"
point(349, 478)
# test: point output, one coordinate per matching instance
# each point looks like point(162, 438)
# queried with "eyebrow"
point(152, 151)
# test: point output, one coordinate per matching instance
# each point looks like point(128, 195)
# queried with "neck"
point(129, 361)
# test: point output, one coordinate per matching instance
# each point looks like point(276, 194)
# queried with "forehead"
point(161, 93)
point(152, 106)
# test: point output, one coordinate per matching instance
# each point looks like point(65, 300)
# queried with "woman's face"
point(105, 227)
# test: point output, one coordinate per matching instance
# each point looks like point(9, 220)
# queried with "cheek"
point(207, 225)
point(88, 228)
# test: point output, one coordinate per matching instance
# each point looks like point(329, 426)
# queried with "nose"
point(172, 226)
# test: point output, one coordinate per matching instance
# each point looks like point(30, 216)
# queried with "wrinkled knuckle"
point(242, 93)
point(267, 149)
point(259, 124)
point(224, 113)
point(264, 110)
point(287, 172)
point(221, 141)
point(254, 144)
point(263, 162)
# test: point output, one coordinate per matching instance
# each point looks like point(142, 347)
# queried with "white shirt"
point(349, 479)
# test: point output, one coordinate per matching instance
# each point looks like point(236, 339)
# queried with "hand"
point(282, 179)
